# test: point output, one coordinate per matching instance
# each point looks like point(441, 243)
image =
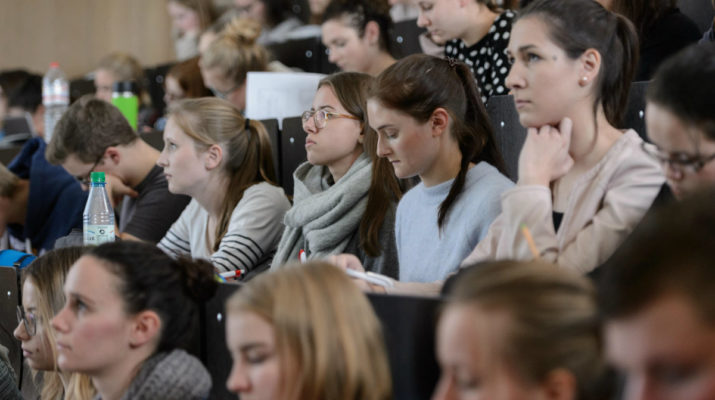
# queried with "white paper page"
point(279, 94)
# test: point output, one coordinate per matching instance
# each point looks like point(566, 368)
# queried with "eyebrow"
point(82, 298)
point(381, 127)
point(251, 346)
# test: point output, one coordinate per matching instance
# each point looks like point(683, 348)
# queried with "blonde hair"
point(123, 66)
point(248, 158)
point(552, 320)
point(327, 336)
point(235, 52)
point(47, 274)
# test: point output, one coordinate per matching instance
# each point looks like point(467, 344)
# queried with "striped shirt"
point(253, 232)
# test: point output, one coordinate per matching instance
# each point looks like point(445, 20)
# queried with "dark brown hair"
point(359, 12)
point(248, 157)
point(188, 75)
point(351, 89)
point(417, 85)
point(578, 25)
point(86, 129)
point(643, 13)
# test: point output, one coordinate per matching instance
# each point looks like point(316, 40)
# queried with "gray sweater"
point(428, 254)
point(8, 385)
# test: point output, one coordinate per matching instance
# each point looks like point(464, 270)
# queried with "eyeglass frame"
point(223, 95)
point(86, 180)
point(692, 165)
point(30, 328)
point(305, 116)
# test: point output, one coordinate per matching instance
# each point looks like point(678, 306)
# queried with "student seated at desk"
point(39, 202)
point(224, 162)
point(130, 309)
point(336, 207)
point(93, 135)
point(305, 333)
point(42, 298)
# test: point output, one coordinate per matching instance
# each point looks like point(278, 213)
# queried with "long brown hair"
point(248, 158)
point(351, 89)
point(47, 274)
point(417, 85)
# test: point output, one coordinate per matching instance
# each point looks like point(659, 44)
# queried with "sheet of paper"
point(279, 94)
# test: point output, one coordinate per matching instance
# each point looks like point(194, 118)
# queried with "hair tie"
point(247, 124)
point(452, 62)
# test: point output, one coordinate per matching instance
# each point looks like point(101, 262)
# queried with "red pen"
point(231, 274)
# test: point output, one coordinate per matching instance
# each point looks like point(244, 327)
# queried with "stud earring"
point(584, 80)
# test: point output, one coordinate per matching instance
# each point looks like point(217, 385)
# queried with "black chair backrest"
point(154, 138)
point(508, 132)
point(79, 87)
point(292, 151)
point(217, 358)
point(405, 38)
point(154, 84)
point(700, 11)
point(635, 111)
point(9, 299)
point(271, 126)
point(408, 324)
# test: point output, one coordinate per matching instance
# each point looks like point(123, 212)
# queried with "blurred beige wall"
point(77, 33)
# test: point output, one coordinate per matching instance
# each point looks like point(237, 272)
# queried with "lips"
point(309, 143)
point(518, 103)
point(26, 353)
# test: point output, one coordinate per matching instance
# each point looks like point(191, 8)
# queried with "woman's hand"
point(545, 155)
point(350, 261)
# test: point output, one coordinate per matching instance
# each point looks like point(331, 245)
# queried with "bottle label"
point(94, 235)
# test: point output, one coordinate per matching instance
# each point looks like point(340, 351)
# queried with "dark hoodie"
point(56, 200)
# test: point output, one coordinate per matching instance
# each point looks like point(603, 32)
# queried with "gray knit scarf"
point(169, 376)
point(324, 218)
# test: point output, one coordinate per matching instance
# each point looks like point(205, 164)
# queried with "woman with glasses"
point(224, 162)
point(42, 298)
point(334, 208)
point(228, 59)
point(680, 119)
point(583, 184)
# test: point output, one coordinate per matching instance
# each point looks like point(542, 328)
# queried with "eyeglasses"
point(86, 180)
point(678, 161)
point(223, 94)
point(28, 320)
point(321, 117)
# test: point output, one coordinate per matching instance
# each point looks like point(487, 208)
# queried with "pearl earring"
point(584, 80)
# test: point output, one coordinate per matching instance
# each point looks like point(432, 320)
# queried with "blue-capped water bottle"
point(98, 213)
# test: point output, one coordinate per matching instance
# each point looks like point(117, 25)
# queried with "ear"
point(590, 66)
point(213, 157)
point(439, 121)
point(372, 33)
point(112, 155)
point(146, 327)
point(560, 384)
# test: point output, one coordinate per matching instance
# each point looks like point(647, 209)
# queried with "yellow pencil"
point(530, 241)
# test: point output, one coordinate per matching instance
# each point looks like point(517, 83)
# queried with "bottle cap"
point(54, 64)
point(97, 177)
point(124, 86)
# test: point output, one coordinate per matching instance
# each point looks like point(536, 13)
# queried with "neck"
point(210, 193)
point(114, 382)
point(591, 138)
point(140, 159)
point(381, 62)
point(446, 165)
point(340, 168)
point(481, 19)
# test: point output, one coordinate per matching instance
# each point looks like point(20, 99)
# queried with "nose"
point(514, 79)
point(59, 322)
point(238, 381)
point(383, 149)
point(309, 125)
point(422, 20)
point(332, 55)
point(638, 389)
point(162, 160)
point(20, 333)
point(672, 173)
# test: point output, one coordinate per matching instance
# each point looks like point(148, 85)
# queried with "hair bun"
point(245, 31)
point(198, 278)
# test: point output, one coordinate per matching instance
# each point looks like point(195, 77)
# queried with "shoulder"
point(484, 175)
point(630, 163)
point(262, 197)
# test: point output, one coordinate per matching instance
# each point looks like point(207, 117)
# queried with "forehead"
point(670, 132)
point(89, 278)
point(248, 327)
point(380, 115)
point(325, 96)
point(104, 76)
point(668, 329)
point(29, 294)
point(75, 166)
point(532, 31)
point(472, 334)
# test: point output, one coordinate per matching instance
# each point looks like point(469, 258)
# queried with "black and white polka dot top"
point(487, 58)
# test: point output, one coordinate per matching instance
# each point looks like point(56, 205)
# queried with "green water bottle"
point(125, 99)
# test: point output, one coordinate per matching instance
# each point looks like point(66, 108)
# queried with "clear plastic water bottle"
point(98, 213)
point(55, 97)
